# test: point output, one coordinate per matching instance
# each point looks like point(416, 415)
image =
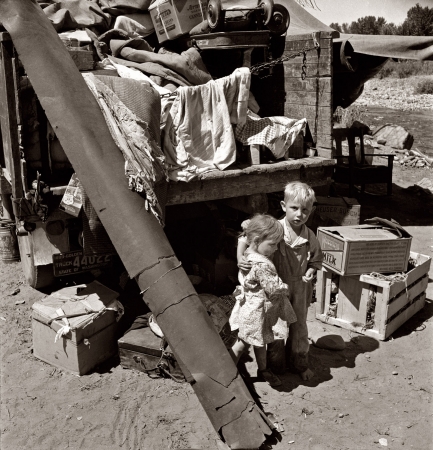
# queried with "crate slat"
point(404, 316)
point(350, 297)
point(406, 296)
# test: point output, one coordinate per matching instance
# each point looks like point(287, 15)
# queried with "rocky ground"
point(397, 93)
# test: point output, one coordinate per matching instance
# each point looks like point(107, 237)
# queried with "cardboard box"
point(172, 19)
point(369, 305)
point(358, 249)
point(342, 210)
point(90, 339)
point(83, 59)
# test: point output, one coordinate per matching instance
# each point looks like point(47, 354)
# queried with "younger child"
point(296, 260)
point(260, 313)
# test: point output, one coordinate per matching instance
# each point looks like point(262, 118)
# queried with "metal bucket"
point(9, 251)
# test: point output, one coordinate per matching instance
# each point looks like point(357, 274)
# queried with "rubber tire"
point(215, 15)
point(268, 9)
point(279, 28)
point(37, 277)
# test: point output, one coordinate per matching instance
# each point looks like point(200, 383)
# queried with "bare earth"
point(371, 390)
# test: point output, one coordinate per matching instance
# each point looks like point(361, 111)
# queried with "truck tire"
point(36, 276)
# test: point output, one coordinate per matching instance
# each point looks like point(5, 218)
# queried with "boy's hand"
point(244, 264)
point(309, 275)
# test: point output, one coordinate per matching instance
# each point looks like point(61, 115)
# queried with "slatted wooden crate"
point(369, 305)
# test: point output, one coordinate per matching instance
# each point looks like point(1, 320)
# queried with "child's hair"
point(299, 192)
point(264, 227)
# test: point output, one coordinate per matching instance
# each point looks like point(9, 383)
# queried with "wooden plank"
point(264, 178)
point(324, 152)
point(412, 276)
point(328, 282)
point(324, 113)
point(406, 296)
point(321, 69)
point(309, 84)
point(325, 142)
point(8, 116)
point(348, 326)
point(349, 299)
point(299, 41)
point(320, 291)
point(404, 316)
point(422, 268)
point(312, 55)
point(309, 98)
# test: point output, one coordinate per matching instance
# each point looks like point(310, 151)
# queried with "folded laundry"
point(197, 135)
point(277, 133)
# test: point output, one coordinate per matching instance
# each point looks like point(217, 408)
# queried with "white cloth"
point(138, 24)
point(277, 133)
point(198, 135)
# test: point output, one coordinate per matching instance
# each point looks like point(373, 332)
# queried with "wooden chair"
point(349, 171)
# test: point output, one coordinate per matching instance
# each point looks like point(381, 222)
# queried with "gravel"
point(396, 93)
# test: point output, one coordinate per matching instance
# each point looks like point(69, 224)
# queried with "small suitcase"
point(142, 350)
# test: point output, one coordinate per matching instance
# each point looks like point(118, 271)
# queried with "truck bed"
point(249, 180)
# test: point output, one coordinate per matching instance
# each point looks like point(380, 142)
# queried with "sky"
point(342, 11)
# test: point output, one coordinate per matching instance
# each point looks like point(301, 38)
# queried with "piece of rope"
point(394, 278)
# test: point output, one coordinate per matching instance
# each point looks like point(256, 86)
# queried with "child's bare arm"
point(243, 264)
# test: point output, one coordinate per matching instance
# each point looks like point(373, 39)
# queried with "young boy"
point(297, 259)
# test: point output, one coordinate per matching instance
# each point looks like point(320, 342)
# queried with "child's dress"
point(261, 313)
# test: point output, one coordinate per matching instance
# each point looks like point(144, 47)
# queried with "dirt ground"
point(370, 391)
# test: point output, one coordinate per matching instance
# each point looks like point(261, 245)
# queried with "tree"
point(336, 26)
point(419, 21)
point(368, 25)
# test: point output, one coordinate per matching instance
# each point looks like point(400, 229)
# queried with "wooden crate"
point(83, 59)
point(394, 303)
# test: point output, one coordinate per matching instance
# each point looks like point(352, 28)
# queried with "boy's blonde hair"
point(299, 192)
point(264, 227)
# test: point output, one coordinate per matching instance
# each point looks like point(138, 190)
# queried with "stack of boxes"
point(355, 290)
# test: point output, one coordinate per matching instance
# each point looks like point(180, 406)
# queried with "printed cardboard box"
point(342, 210)
point(173, 18)
point(90, 338)
point(358, 249)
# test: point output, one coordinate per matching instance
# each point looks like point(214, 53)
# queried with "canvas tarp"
point(403, 47)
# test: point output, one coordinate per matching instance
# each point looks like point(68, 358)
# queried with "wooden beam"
point(8, 116)
point(263, 178)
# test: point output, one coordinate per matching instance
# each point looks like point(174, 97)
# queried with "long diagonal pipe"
point(138, 238)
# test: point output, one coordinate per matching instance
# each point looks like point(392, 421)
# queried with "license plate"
point(70, 263)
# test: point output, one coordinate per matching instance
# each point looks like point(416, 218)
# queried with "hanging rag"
point(197, 135)
point(144, 160)
point(277, 133)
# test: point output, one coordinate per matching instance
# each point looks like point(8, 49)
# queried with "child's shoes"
point(270, 378)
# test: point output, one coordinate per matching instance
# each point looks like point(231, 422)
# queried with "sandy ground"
point(373, 390)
